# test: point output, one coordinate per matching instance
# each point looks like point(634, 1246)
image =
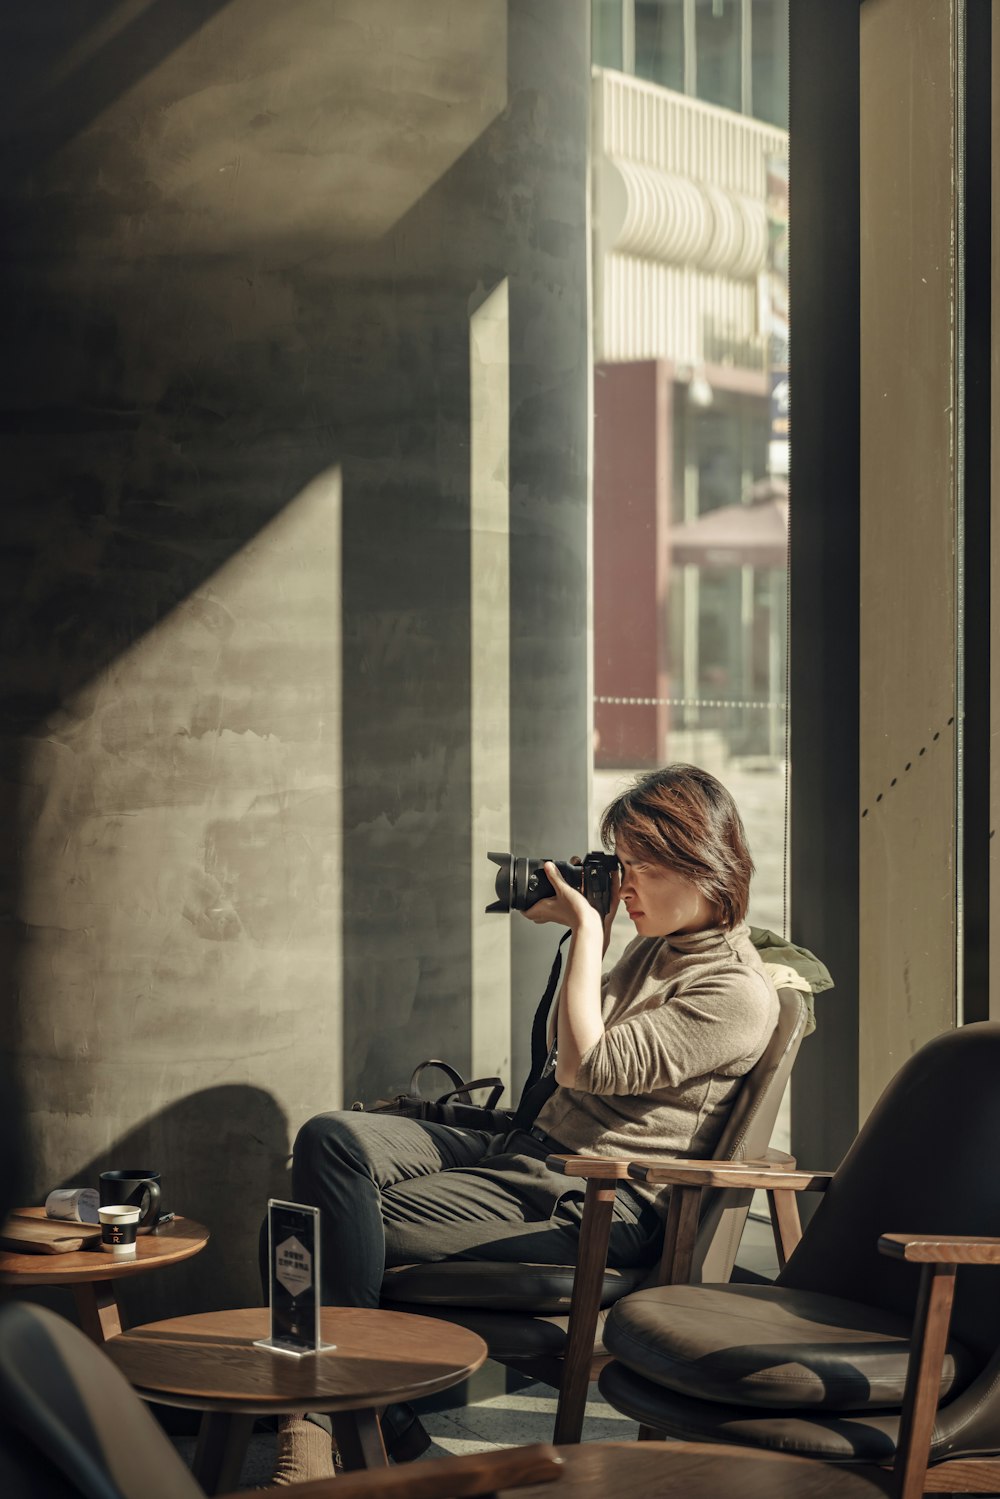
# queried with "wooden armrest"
point(454, 1477)
point(750, 1174)
point(590, 1167)
point(608, 1168)
point(938, 1249)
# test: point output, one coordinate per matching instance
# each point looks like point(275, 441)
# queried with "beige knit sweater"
point(685, 1018)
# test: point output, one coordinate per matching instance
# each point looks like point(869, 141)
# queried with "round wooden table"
point(94, 1275)
point(695, 1470)
point(628, 1470)
point(209, 1363)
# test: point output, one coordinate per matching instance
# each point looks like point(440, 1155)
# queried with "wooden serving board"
point(28, 1233)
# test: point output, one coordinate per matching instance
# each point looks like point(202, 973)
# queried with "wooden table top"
point(209, 1361)
point(695, 1470)
point(630, 1470)
point(177, 1240)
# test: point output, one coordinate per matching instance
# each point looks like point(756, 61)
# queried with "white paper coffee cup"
point(119, 1226)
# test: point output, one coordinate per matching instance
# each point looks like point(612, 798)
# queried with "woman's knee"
point(328, 1138)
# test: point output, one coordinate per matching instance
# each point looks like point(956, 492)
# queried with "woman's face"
point(660, 902)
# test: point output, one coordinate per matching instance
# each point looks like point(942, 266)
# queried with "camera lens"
point(520, 883)
point(504, 882)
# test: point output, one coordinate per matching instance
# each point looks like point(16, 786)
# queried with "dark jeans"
point(398, 1191)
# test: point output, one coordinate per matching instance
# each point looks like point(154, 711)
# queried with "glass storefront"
point(733, 53)
point(691, 490)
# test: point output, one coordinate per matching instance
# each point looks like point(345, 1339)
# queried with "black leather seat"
point(816, 1363)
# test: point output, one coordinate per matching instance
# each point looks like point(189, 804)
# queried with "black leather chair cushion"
point(498, 1287)
point(507, 1335)
point(768, 1346)
point(833, 1438)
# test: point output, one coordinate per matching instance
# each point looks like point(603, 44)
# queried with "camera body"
point(522, 882)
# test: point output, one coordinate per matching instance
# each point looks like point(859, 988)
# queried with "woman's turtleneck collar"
point(707, 938)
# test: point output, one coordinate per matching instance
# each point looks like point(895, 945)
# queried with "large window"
point(658, 50)
point(718, 43)
point(728, 52)
point(691, 406)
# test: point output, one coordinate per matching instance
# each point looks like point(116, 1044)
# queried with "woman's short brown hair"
point(683, 817)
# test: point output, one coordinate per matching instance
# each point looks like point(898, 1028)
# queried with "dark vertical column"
point(975, 621)
point(548, 113)
point(824, 665)
point(994, 475)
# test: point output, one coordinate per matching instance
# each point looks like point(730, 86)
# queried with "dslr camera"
point(522, 882)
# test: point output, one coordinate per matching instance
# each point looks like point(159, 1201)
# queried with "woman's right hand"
point(567, 905)
point(616, 897)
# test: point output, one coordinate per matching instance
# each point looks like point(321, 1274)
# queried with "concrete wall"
point(248, 241)
point(910, 614)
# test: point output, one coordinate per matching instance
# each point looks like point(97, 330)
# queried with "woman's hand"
point(577, 1015)
point(616, 896)
point(567, 906)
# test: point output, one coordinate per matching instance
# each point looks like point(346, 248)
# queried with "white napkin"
point(77, 1204)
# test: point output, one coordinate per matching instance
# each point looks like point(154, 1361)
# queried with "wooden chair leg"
point(683, 1212)
point(923, 1379)
point(222, 1444)
point(595, 1231)
point(785, 1224)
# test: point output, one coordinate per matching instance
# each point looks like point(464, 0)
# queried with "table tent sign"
point(293, 1279)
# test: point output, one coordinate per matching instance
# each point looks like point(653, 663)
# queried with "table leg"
point(359, 1439)
point(222, 1443)
point(98, 1310)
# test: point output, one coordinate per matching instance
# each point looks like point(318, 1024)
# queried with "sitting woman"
point(648, 1059)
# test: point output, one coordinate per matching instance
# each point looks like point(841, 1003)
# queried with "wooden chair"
point(847, 1357)
point(544, 1320)
point(72, 1428)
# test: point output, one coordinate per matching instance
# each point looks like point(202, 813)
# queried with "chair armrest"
point(613, 1168)
point(938, 1256)
point(774, 1160)
point(937, 1249)
point(749, 1174)
point(590, 1167)
point(453, 1477)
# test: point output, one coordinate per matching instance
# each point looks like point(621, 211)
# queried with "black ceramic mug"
point(137, 1188)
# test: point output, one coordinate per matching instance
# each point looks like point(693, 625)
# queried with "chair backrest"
point(544, 1290)
point(747, 1135)
point(75, 1425)
point(923, 1163)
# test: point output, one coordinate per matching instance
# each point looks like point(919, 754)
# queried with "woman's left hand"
point(567, 906)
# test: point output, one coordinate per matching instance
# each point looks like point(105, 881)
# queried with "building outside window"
point(733, 53)
point(691, 402)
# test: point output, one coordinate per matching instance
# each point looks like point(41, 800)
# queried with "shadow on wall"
point(223, 285)
point(221, 1154)
point(58, 78)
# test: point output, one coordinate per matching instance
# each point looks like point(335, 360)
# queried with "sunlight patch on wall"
point(182, 887)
